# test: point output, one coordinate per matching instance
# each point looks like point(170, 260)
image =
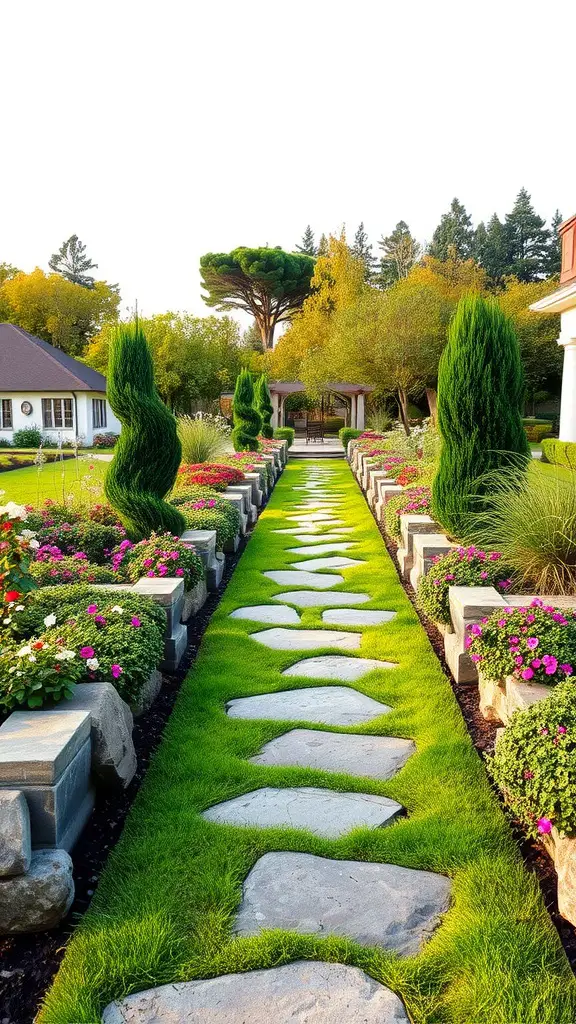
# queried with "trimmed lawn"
point(165, 903)
point(56, 480)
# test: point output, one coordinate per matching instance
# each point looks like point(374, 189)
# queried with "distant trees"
point(454, 234)
point(268, 283)
point(400, 253)
point(72, 262)
point(307, 245)
point(362, 250)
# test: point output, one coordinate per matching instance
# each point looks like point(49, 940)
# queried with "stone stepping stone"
point(320, 549)
point(321, 581)
point(307, 599)
point(306, 639)
point(323, 705)
point(374, 904)
point(355, 617)
point(305, 992)
point(320, 811)
point(267, 613)
point(338, 562)
point(304, 528)
point(333, 666)
point(372, 757)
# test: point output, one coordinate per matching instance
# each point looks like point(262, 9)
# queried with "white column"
point(568, 400)
point(353, 411)
point(360, 412)
point(276, 407)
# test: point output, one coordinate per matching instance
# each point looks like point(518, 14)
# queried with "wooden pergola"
point(279, 390)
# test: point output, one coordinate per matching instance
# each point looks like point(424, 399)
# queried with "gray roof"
point(30, 364)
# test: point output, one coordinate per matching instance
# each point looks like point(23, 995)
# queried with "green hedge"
point(559, 453)
point(285, 434)
point(537, 431)
point(333, 424)
point(347, 434)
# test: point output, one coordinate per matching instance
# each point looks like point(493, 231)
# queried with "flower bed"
point(414, 500)
point(17, 545)
point(204, 509)
point(161, 555)
point(213, 475)
point(462, 567)
point(52, 567)
point(536, 644)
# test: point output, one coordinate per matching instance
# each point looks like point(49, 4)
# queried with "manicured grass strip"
point(165, 903)
point(55, 480)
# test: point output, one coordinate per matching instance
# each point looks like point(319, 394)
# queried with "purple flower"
point(567, 669)
point(92, 609)
point(501, 623)
point(148, 562)
point(99, 620)
point(86, 652)
point(116, 671)
point(527, 673)
point(536, 663)
point(504, 584)
point(476, 630)
point(528, 775)
point(484, 575)
point(519, 661)
point(494, 556)
point(135, 621)
point(532, 642)
point(179, 572)
point(544, 825)
point(562, 729)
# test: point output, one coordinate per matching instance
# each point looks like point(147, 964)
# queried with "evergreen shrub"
point(559, 453)
point(264, 405)
point(285, 434)
point(247, 419)
point(347, 434)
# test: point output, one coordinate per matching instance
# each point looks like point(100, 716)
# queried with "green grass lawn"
point(56, 480)
point(164, 907)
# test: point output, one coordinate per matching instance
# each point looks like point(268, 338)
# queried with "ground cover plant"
point(536, 643)
point(209, 474)
point(205, 509)
point(164, 905)
point(411, 501)
point(463, 567)
point(160, 555)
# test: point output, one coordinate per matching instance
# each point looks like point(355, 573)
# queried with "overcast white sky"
point(160, 131)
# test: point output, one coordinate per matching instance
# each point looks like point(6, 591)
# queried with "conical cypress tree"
point(264, 405)
point(480, 394)
point(247, 420)
point(148, 451)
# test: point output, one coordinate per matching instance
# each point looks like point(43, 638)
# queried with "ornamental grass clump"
point(247, 419)
point(161, 555)
point(264, 406)
point(414, 500)
point(536, 643)
point(462, 567)
point(534, 764)
point(148, 451)
point(203, 438)
point(217, 476)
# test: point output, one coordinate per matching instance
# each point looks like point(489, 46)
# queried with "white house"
point(41, 386)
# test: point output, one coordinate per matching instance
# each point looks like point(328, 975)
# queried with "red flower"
point(6, 526)
point(12, 595)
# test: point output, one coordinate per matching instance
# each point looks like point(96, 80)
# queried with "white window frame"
point(99, 422)
point(3, 425)
point(57, 409)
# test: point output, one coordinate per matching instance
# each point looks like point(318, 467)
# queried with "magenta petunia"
point(532, 642)
point(527, 673)
point(544, 825)
point(86, 652)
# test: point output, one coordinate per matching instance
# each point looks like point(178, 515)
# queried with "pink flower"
point(532, 642)
point(86, 652)
point(151, 573)
point(536, 663)
point(483, 575)
point(174, 555)
point(562, 729)
point(543, 732)
point(476, 630)
point(567, 669)
point(528, 775)
point(504, 584)
point(494, 556)
point(551, 664)
point(467, 642)
point(179, 572)
point(514, 640)
point(544, 825)
point(115, 671)
point(99, 620)
point(148, 562)
point(519, 661)
point(135, 621)
point(476, 657)
point(449, 576)
point(527, 673)
point(92, 609)
point(501, 623)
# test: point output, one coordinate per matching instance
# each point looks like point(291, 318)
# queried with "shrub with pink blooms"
point(536, 643)
point(161, 555)
point(52, 567)
point(462, 567)
point(414, 500)
point(534, 763)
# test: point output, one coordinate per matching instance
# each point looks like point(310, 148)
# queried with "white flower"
point(65, 655)
point(92, 664)
point(50, 620)
point(28, 534)
point(19, 608)
point(13, 511)
point(13, 669)
point(32, 657)
point(24, 651)
point(118, 609)
point(6, 622)
point(33, 544)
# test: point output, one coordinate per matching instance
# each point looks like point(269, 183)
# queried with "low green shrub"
point(64, 602)
point(70, 569)
point(415, 500)
point(5, 442)
point(27, 437)
point(94, 540)
point(204, 509)
point(160, 555)
point(534, 763)
point(36, 673)
point(559, 453)
point(462, 567)
point(536, 643)
point(333, 424)
point(285, 434)
point(347, 434)
point(535, 432)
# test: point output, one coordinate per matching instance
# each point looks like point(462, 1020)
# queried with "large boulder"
point(113, 754)
point(39, 899)
point(15, 843)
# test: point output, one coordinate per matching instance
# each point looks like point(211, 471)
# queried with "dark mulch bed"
point(28, 963)
point(483, 736)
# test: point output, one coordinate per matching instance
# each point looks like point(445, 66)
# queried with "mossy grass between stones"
point(166, 901)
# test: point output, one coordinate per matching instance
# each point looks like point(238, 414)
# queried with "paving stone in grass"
point(373, 757)
point(306, 639)
point(308, 599)
point(334, 666)
point(323, 812)
point(356, 617)
point(337, 562)
point(304, 528)
point(310, 517)
point(324, 705)
point(316, 538)
point(321, 581)
point(321, 549)
point(304, 992)
point(374, 904)
point(267, 613)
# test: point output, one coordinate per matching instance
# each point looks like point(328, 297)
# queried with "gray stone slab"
point(320, 811)
point(306, 639)
point(59, 812)
point(113, 754)
point(174, 648)
point(372, 757)
point(37, 746)
point(335, 666)
point(309, 599)
point(324, 705)
point(308, 528)
point(356, 617)
point(15, 842)
point(337, 562)
point(215, 572)
point(305, 992)
point(275, 614)
point(374, 904)
point(204, 542)
point(39, 899)
point(321, 549)
point(297, 578)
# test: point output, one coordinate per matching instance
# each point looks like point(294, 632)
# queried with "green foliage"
point(148, 452)
point(528, 241)
point(205, 509)
point(559, 453)
point(480, 392)
point(27, 437)
point(72, 263)
point(411, 501)
point(95, 540)
point(536, 643)
point(264, 405)
point(247, 419)
point(37, 673)
point(536, 432)
point(362, 250)
point(203, 438)
point(531, 519)
point(65, 602)
point(534, 763)
point(70, 570)
point(333, 424)
point(463, 567)
point(161, 555)
point(400, 252)
point(308, 245)
point(347, 434)
point(454, 235)
point(268, 283)
point(285, 434)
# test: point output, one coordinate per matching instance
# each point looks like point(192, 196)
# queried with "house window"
point(98, 412)
point(57, 413)
point(6, 414)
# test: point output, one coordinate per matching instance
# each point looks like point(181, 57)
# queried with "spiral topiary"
point(264, 405)
point(148, 451)
point(247, 419)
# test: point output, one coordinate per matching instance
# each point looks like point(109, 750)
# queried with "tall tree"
point(268, 283)
point(400, 252)
point(322, 246)
point(491, 250)
point(454, 232)
point(362, 250)
point(555, 249)
point(528, 240)
point(307, 245)
point(71, 262)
